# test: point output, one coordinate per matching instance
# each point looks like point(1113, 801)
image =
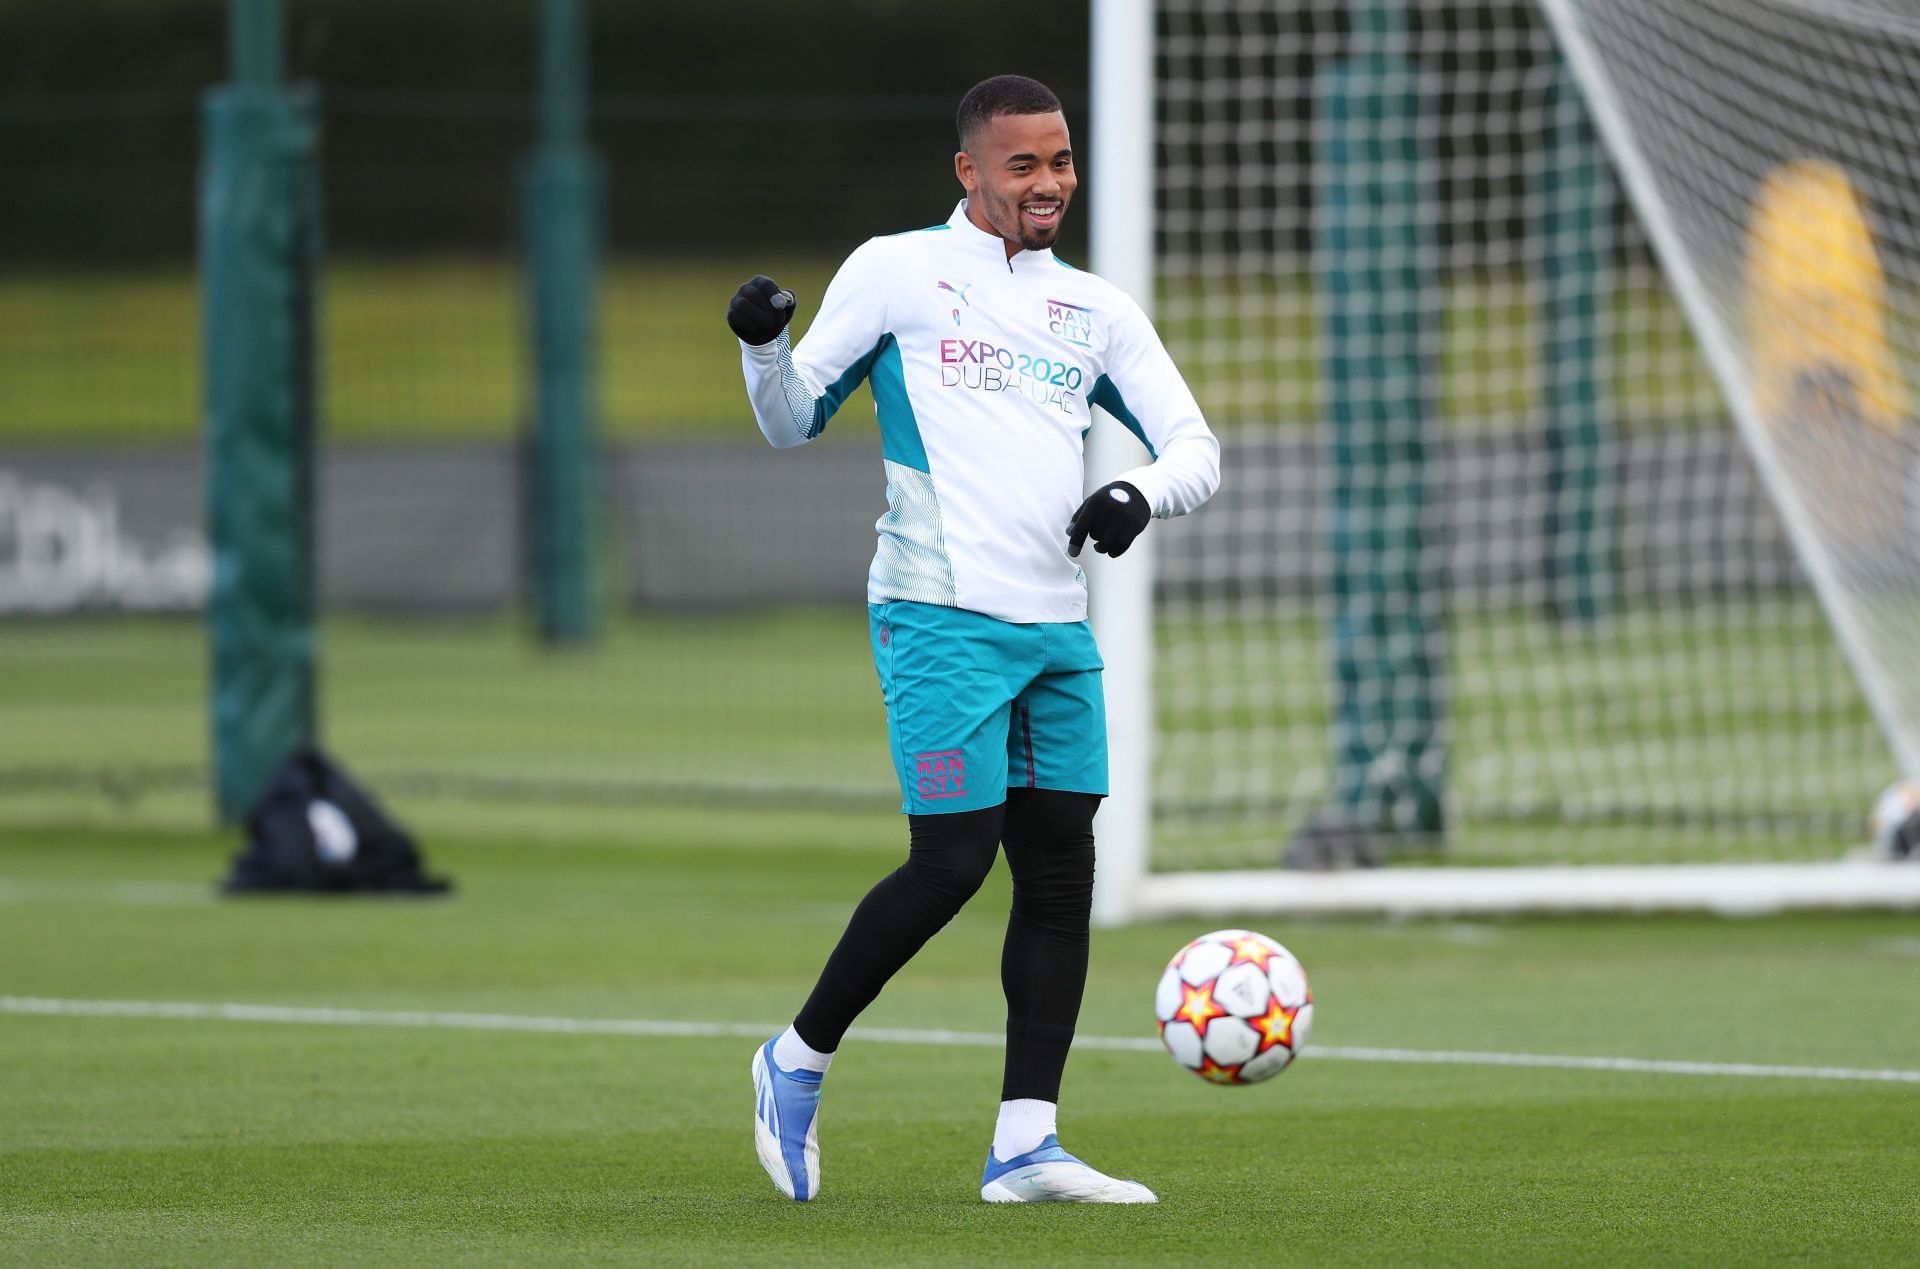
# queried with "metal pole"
point(255, 39)
point(1375, 263)
point(1573, 223)
point(561, 200)
point(563, 73)
point(259, 227)
point(1120, 186)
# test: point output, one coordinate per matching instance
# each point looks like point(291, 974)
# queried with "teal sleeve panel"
point(1108, 398)
point(899, 430)
point(825, 405)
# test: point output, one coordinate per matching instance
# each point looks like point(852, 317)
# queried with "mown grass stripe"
point(319, 1016)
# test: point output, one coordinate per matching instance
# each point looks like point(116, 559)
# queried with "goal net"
point(1571, 511)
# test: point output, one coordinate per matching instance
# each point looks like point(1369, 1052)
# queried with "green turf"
point(181, 1142)
point(662, 703)
point(432, 348)
point(1655, 713)
point(412, 349)
point(1701, 719)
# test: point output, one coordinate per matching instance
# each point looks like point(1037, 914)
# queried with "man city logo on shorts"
point(941, 774)
point(1070, 322)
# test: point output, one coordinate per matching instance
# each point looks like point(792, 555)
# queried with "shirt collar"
point(959, 223)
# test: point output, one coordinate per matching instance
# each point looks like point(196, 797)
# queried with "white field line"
point(307, 1016)
point(135, 893)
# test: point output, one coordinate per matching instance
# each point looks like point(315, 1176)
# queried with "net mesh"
point(1487, 532)
point(1810, 296)
point(1576, 621)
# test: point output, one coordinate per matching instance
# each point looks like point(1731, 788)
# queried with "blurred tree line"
point(796, 124)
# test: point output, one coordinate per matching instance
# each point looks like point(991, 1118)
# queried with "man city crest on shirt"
point(1071, 322)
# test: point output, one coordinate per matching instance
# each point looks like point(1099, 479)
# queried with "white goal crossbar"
point(1728, 889)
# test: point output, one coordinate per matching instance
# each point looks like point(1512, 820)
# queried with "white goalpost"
point(1120, 592)
point(1568, 550)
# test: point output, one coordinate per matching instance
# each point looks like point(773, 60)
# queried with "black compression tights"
point(1043, 964)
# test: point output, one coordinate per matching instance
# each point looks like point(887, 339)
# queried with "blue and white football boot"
point(1048, 1174)
point(786, 1106)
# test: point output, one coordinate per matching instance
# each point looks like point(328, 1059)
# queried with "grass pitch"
point(1657, 711)
point(434, 348)
point(161, 1141)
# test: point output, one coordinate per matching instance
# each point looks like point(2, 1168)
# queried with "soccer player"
point(985, 353)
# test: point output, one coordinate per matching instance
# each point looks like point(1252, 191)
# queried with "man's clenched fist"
point(760, 310)
point(1113, 516)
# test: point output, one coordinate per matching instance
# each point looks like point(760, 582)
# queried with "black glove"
point(760, 310)
point(1114, 516)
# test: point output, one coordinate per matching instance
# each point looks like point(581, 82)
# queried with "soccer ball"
point(1895, 826)
point(1234, 1007)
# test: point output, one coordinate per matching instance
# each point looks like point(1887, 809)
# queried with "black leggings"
point(1043, 965)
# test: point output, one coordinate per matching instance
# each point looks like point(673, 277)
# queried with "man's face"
point(1018, 172)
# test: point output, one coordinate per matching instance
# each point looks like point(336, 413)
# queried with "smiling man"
point(986, 355)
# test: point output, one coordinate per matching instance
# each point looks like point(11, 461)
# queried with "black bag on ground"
point(316, 830)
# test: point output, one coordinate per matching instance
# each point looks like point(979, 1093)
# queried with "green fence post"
point(259, 227)
point(1575, 222)
point(1375, 257)
point(561, 199)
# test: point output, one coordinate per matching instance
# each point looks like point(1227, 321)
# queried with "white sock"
point(1024, 1123)
point(791, 1053)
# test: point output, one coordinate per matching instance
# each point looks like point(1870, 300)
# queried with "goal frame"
point(1121, 193)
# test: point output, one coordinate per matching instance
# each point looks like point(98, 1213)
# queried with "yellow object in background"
point(1817, 304)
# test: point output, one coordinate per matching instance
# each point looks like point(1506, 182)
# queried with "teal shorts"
point(976, 705)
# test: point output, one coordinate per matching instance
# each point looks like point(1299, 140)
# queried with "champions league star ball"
point(1895, 825)
point(1234, 1007)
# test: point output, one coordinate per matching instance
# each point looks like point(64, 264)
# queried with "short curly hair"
point(1001, 95)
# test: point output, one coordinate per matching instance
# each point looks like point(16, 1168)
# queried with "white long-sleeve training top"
point(984, 369)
